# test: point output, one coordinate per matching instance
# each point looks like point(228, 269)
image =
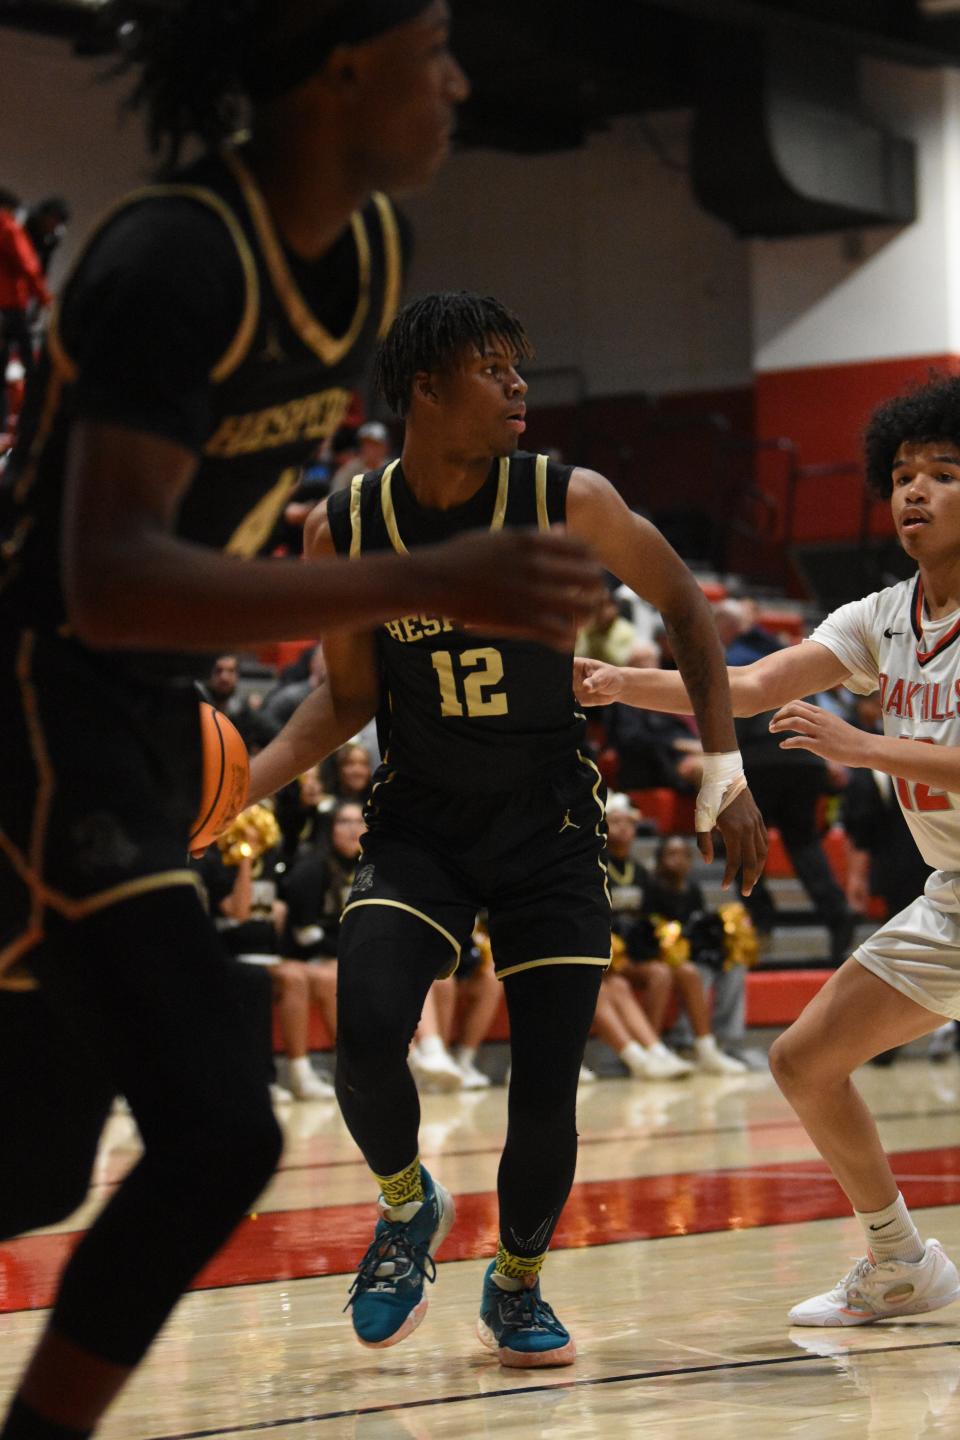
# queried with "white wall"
point(605, 255)
point(881, 293)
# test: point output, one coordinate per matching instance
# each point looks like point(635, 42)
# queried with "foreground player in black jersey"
point(208, 337)
point(485, 800)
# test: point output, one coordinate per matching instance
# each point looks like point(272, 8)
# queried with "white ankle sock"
point(465, 1054)
point(300, 1069)
point(705, 1044)
point(432, 1045)
point(633, 1050)
point(891, 1233)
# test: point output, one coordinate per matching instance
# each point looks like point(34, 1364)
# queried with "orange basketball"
point(226, 777)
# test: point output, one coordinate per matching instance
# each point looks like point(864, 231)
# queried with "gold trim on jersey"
point(386, 505)
point(411, 910)
point(553, 960)
point(315, 336)
point(392, 261)
point(390, 514)
point(598, 831)
point(356, 519)
point(503, 486)
point(243, 337)
point(543, 517)
point(254, 529)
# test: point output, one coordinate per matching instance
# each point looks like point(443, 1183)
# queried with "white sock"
point(891, 1233)
point(300, 1069)
point(658, 1048)
point(432, 1045)
point(705, 1044)
point(466, 1054)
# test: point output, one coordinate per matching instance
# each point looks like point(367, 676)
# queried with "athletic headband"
point(349, 23)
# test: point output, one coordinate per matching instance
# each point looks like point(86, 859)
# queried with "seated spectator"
point(315, 890)
point(241, 881)
point(626, 876)
point(221, 689)
point(304, 812)
point(280, 702)
point(373, 451)
point(743, 639)
point(655, 750)
point(350, 774)
point(621, 1023)
point(610, 636)
point(673, 901)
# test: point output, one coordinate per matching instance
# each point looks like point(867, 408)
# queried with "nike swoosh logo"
point(889, 634)
point(884, 1225)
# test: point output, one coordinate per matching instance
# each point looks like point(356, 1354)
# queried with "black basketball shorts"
point(533, 858)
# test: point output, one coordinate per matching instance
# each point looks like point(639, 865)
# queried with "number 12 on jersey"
point(914, 795)
point(479, 671)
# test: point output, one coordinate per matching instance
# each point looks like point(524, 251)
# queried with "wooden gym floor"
point(700, 1214)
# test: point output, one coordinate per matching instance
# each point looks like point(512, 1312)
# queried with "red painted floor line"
point(329, 1240)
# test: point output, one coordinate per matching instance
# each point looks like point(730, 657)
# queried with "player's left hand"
point(819, 732)
point(744, 838)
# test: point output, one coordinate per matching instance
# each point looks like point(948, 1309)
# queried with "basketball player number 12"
point(481, 671)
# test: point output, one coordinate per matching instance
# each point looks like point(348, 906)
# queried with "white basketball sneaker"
point(881, 1290)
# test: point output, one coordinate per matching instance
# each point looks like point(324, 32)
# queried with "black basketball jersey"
point(459, 710)
point(281, 383)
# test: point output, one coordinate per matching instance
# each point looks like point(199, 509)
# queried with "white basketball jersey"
point(889, 644)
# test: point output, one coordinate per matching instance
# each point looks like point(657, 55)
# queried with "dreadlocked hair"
point(195, 58)
point(432, 334)
point(928, 413)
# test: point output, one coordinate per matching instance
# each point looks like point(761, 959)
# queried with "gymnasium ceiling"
point(548, 72)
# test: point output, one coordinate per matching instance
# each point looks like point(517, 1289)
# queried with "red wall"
point(823, 410)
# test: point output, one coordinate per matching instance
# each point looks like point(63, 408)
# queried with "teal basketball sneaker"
point(386, 1299)
point(521, 1327)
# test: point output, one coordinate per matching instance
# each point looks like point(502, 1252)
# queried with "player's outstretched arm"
point(797, 670)
point(122, 493)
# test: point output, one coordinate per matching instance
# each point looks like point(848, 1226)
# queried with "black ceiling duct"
point(781, 145)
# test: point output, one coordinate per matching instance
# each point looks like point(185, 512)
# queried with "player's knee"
point(793, 1065)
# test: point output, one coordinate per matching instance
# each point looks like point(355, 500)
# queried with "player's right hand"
point(533, 585)
point(595, 682)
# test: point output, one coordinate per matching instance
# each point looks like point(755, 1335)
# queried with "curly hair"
point(198, 61)
point(927, 413)
point(431, 333)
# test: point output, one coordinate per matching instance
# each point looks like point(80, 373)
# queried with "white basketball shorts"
point(918, 950)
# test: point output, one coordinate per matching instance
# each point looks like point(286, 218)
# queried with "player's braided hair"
point(431, 333)
point(196, 60)
point(929, 412)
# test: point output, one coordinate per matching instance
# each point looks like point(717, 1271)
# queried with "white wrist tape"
point(723, 780)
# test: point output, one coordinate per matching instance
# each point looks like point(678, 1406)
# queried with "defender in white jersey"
point(898, 986)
